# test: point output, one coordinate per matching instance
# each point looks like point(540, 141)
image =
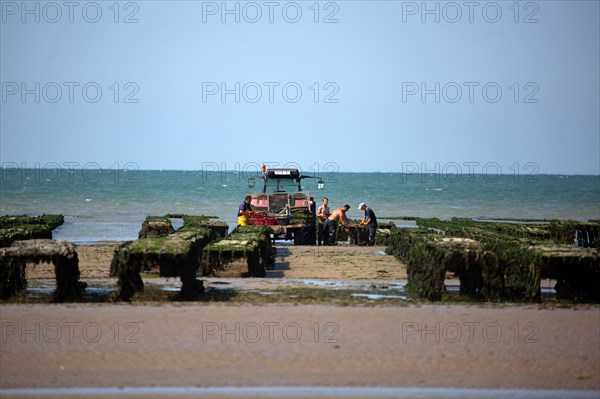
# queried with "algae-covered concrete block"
point(175, 255)
point(13, 228)
point(156, 226)
point(250, 242)
point(62, 254)
point(499, 261)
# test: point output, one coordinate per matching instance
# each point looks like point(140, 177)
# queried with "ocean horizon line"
point(324, 172)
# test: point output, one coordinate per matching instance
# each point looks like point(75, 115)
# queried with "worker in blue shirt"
point(244, 211)
point(369, 220)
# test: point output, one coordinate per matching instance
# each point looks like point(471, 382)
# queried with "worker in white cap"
point(369, 220)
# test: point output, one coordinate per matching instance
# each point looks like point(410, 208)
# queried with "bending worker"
point(369, 220)
point(339, 215)
point(244, 211)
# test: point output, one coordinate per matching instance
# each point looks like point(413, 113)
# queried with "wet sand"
point(200, 345)
point(194, 345)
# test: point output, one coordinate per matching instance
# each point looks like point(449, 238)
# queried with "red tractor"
point(282, 205)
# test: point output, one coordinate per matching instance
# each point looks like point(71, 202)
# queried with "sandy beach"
point(194, 150)
point(200, 344)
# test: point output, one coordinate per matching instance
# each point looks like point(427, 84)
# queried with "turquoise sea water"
point(106, 205)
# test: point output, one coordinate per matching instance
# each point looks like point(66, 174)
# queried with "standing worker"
point(323, 213)
point(339, 215)
point(369, 220)
point(244, 211)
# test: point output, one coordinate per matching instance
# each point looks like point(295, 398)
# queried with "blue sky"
point(364, 85)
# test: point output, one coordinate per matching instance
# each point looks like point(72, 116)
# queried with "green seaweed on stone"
point(175, 255)
point(250, 242)
point(156, 226)
point(511, 261)
point(62, 254)
point(583, 234)
point(23, 227)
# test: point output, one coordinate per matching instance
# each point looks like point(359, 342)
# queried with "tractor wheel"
point(309, 235)
point(298, 237)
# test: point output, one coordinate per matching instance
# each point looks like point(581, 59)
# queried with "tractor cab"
point(282, 180)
